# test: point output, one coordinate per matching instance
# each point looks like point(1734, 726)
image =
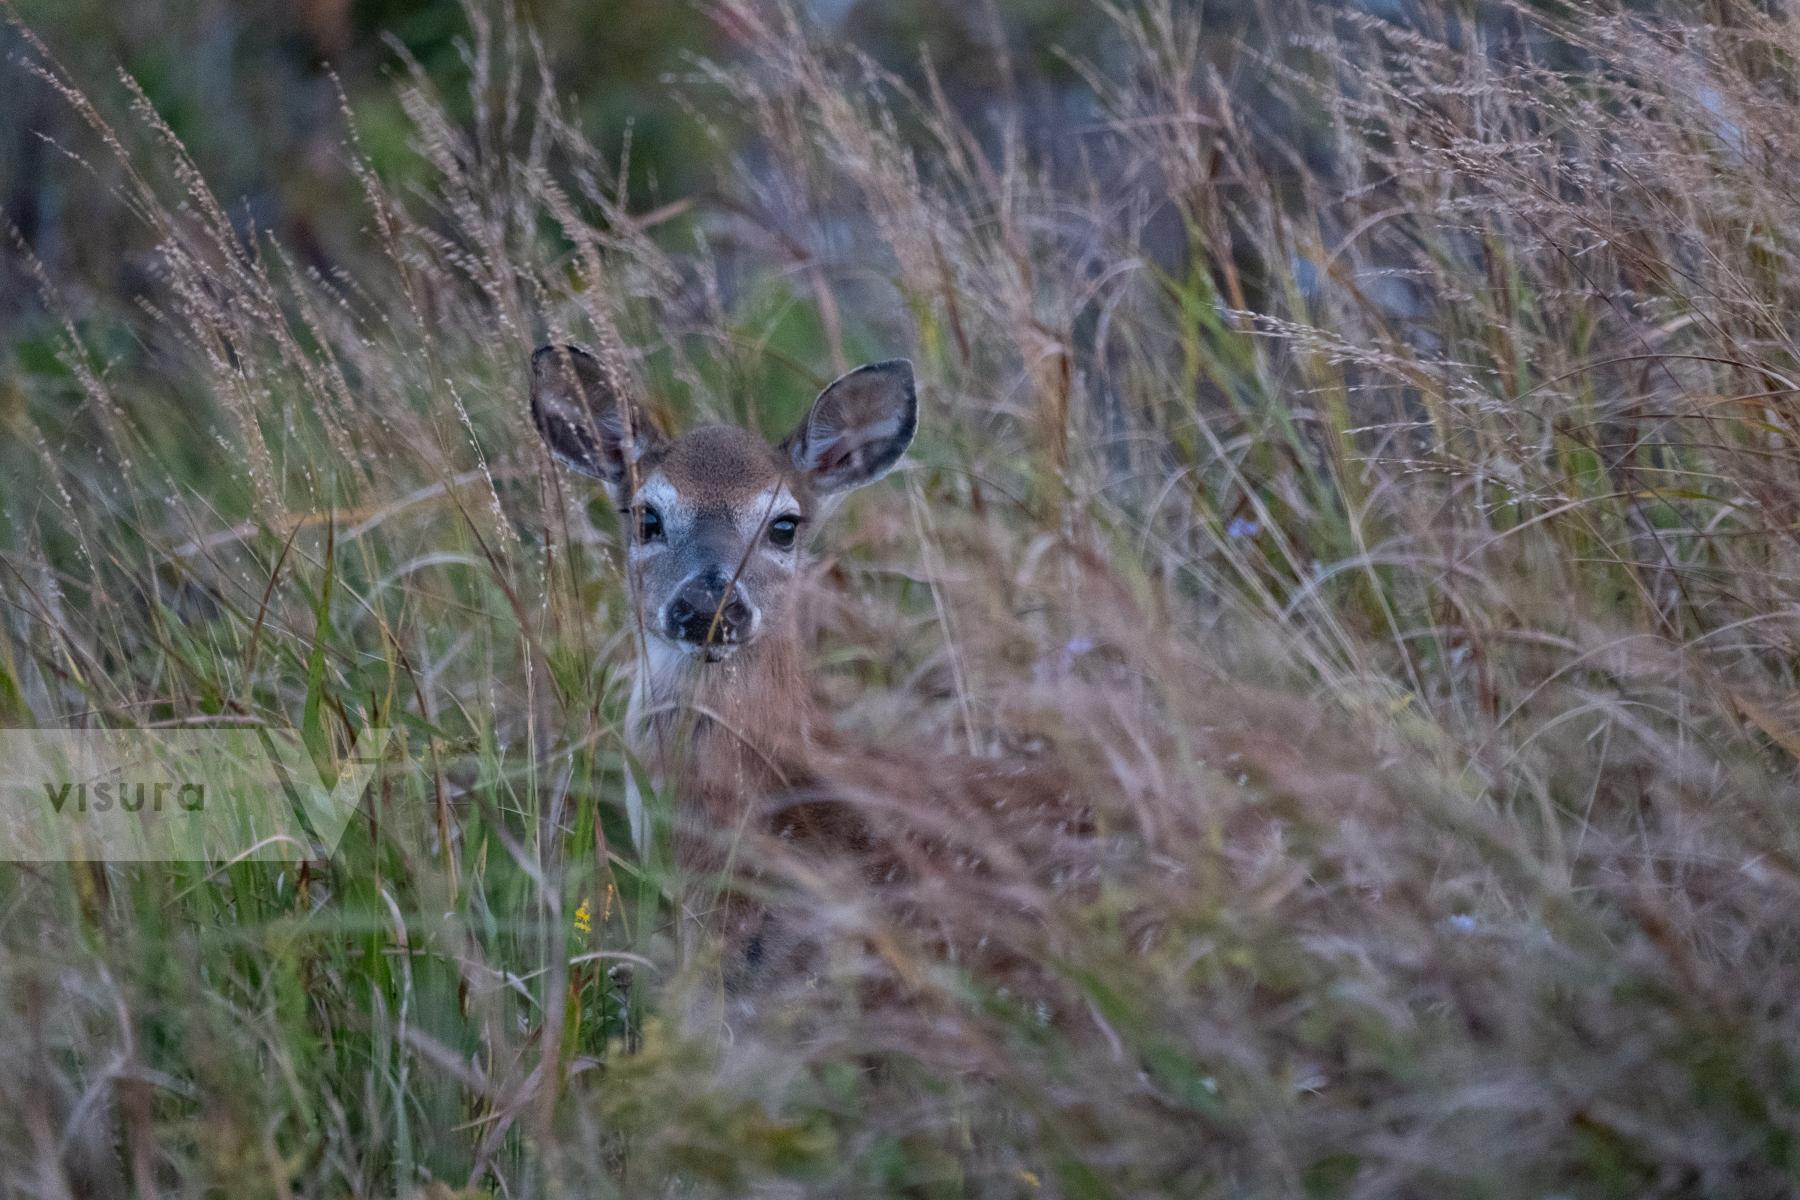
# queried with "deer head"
point(716, 519)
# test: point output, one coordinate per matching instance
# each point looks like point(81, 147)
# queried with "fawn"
point(722, 710)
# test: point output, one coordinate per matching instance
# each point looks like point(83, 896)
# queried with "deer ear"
point(858, 427)
point(582, 416)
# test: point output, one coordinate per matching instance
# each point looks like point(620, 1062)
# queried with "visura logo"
point(144, 796)
point(177, 795)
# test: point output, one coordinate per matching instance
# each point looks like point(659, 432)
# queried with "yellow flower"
point(583, 917)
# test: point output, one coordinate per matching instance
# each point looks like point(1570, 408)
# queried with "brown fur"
point(767, 795)
point(717, 467)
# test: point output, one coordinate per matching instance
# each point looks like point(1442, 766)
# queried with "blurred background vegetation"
point(259, 91)
point(1360, 439)
point(262, 94)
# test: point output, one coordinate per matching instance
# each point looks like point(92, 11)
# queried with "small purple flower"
point(1241, 528)
point(1072, 651)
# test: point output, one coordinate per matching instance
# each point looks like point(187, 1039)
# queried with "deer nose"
point(690, 615)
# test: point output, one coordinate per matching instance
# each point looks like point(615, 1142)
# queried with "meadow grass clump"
point(1361, 451)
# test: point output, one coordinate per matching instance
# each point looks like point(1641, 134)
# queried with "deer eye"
point(782, 531)
point(649, 524)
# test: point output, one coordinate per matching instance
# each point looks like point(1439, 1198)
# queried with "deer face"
point(715, 519)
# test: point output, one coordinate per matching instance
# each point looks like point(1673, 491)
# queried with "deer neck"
point(723, 735)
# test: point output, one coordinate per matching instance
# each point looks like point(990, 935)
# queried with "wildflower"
point(1241, 528)
point(583, 917)
point(1072, 650)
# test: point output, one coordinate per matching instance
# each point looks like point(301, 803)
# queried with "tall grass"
point(1363, 452)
